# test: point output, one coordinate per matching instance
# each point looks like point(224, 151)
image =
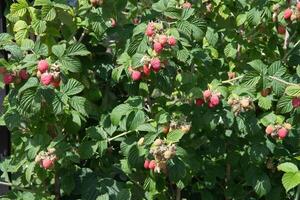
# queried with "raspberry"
point(231, 75)
point(157, 47)
point(8, 79)
point(269, 129)
point(163, 39)
point(2, 70)
point(146, 70)
point(172, 41)
point(152, 164)
point(136, 75)
point(166, 129)
point(199, 102)
point(245, 103)
point(146, 164)
point(298, 6)
point(55, 84)
point(136, 21)
point(296, 102)
point(214, 100)
point(186, 5)
point(168, 154)
point(43, 66)
point(113, 22)
point(150, 30)
point(46, 78)
point(158, 142)
point(287, 14)
point(23, 74)
point(281, 30)
point(155, 64)
point(47, 163)
point(206, 94)
point(282, 133)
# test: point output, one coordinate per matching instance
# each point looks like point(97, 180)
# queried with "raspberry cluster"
point(13, 77)
point(241, 104)
point(209, 96)
point(279, 131)
point(48, 75)
point(47, 159)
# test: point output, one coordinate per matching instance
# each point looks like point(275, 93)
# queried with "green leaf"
point(30, 83)
point(87, 149)
point(284, 104)
point(265, 102)
point(79, 104)
point(259, 66)
point(19, 9)
point(48, 13)
point(20, 25)
point(39, 26)
point(160, 6)
point(174, 136)
point(293, 90)
point(71, 64)
point(117, 72)
point(138, 120)
point(41, 2)
point(290, 180)
point(287, 167)
point(59, 50)
point(29, 171)
point(211, 36)
point(77, 49)
point(146, 128)
point(118, 112)
point(72, 87)
point(262, 185)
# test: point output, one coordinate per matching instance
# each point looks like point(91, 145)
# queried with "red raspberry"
point(298, 6)
point(287, 14)
point(296, 102)
point(199, 102)
point(136, 75)
point(152, 164)
point(46, 78)
point(47, 163)
point(150, 30)
point(269, 129)
point(23, 74)
point(172, 41)
point(157, 47)
point(146, 70)
point(2, 70)
point(281, 30)
point(214, 100)
point(163, 39)
point(146, 164)
point(55, 84)
point(206, 94)
point(186, 5)
point(282, 133)
point(8, 79)
point(136, 21)
point(155, 64)
point(113, 22)
point(43, 66)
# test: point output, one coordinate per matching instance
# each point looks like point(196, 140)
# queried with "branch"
point(178, 193)
point(82, 36)
point(232, 80)
point(117, 136)
point(282, 81)
point(15, 186)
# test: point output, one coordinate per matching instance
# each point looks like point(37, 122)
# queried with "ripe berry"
point(146, 164)
point(8, 79)
point(55, 84)
point(23, 74)
point(214, 100)
point(136, 75)
point(269, 129)
point(296, 102)
point(163, 39)
point(113, 22)
point(172, 41)
point(150, 30)
point(199, 102)
point(298, 6)
point(46, 78)
point(146, 70)
point(43, 66)
point(47, 163)
point(186, 5)
point(166, 129)
point(281, 30)
point(2, 70)
point(282, 133)
point(152, 164)
point(287, 14)
point(206, 94)
point(157, 47)
point(155, 64)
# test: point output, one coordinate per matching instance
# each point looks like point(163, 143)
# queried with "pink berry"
point(150, 30)
point(206, 94)
point(8, 79)
point(186, 5)
point(269, 129)
point(113, 22)
point(152, 164)
point(23, 74)
point(155, 64)
point(157, 47)
point(43, 66)
point(214, 100)
point(163, 39)
point(136, 75)
point(287, 14)
point(146, 70)
point(2, 70)
point(296, 102)
point(172, 41)
point(210, 105)
point(281, 30)
point(146, 164)
point(298, 6)
point(47, 163)
point(46, 78)
point(199, 102)
point(55, 84)
point(282, 133)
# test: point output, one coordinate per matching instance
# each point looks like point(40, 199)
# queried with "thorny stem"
point(120, 135)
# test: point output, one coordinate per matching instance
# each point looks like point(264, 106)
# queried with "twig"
point(178, 193)
point(234, 79)
point(282, 81)
point(15, 186)
point(117, 136)
point(82, 36)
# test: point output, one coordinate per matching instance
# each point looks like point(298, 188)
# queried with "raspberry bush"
point(159, 99)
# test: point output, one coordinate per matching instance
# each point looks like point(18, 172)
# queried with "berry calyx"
point(146, 164)
point(152, 164)
point(155, 64)
point(172, 41)
point(199, 102)
point(157, 47)
point(47, 163)
point(269, 129)
point(136, 75)
point(287, 14)
point(43, 66)
point(296, 102)
point(46, 78)
point(282, 133)
point(8, 79)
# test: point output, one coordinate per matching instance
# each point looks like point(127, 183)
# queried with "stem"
point(286, 40)
point(234, 79)
point(297, 193)
point(82, 36)
point(15, 186)
point(282, 81)
point(120, 135)
point(57, 187)
point(178, 193)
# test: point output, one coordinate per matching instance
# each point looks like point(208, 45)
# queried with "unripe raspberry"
point(296, 102)
point(172, 41)
point(269, 129)
point(287, 14)
point(158, 142)
point(168, 154)
point(230, 101)
point(231, 75)
point(155, 64)
point(46, 78)
point(38, 159)
point(146, 70)
point(152, 164)
point(245, 103)
point(2, 70)
point(146, 164)
point(157, 47)
point(8, 79)
point(166, 129)
point(136, 75)
point(206, 94)
point(51, 150)
point(282, 133)
point(47, 163)
point(113, 22)
point(43, 66)
point(141, 141)
point(214, 100)
point(23, 74)
point(186, 5)
point(38, 74)
point(288, 126)
point(96, 2)
point(199, 102)
point(275, 17)
point(185, 128)
point(209, 7)
point(163, 39)
point(281, 30)
point(56, 76)
point(276, 8)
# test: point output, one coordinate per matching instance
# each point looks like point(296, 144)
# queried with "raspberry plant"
point(159, 99)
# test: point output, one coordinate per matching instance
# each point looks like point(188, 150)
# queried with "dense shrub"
point(117, 99)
